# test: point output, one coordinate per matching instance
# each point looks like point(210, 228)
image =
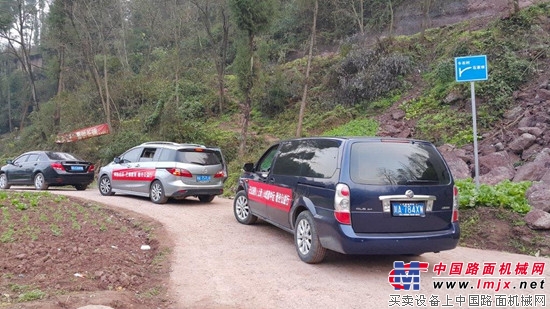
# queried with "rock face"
point(538, 219)
point(538, 196)
point(517, 149)
point(527, 145)
point(410, 17)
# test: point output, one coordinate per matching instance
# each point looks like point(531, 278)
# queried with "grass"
point(26, 292)
point(31, 295)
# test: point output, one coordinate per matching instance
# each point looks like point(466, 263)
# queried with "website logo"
point(406, 276)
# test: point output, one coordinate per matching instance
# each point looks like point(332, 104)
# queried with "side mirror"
point(9, 161)
point(248, 167)
point(117, 160)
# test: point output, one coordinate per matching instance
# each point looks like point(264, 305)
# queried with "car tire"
point(40, 182)
point(242, 210)
point(4, 182)
point(105, 187)
point(80, 187)
point(306, 239)
point(206, 198)
point(156, 193)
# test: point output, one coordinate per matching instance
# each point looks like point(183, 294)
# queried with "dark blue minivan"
point(353, 195)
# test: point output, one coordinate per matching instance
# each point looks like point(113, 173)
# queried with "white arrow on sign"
point(463, 70)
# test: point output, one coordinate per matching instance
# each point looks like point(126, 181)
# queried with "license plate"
point(408, 209)
point(77, 168)
point(203, 178)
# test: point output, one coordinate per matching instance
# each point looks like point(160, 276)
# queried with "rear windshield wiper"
point(198, 163)
point(421, 181)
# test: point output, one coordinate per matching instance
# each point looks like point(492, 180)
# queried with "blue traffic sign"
point(471, 68)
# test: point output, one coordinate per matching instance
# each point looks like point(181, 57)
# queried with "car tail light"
point(219, 174)
point(91, 168)
point(342, 204)
point(180, 172)
point(455, 204)
point(57, 166)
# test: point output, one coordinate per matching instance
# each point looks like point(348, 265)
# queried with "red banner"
point(134, 174)
point(273, 196)
point(81, 134)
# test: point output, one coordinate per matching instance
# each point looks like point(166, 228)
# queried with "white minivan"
point(163, 170)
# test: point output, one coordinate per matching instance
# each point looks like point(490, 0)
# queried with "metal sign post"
point(470, 69)
point(474, 120)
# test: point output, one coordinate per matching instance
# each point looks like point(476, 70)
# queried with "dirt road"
point(219, 263)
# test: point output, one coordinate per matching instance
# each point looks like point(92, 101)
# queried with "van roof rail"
point(160, 142)
point(172, 143)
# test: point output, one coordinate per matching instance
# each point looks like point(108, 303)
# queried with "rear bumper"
point(342, 238)
point(175, 188)
point(69, 179)
point(195, 192)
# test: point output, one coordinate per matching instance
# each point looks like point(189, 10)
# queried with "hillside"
point(513, 147)
point(446, 13)
point(398, 85)
point(523, 130)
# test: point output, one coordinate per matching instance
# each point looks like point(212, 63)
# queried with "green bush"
point(357, 127)
point(370, 74)
point(120, 142)
point(505, 194)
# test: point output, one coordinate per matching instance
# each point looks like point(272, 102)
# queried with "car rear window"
point(390, 163)
point(197, 156)
point(63, 156)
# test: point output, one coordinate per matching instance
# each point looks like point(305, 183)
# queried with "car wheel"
point(4, 181)
point(105, 187)
point(40, 182)
point(80, 187)
point(157, 193)
point(306, 239)
point(206, 198)
point(242, 210)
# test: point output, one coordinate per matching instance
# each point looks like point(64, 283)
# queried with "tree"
point(352, 9)
point(58, 36)
point(123, 52)
point(359, 15)
point(96, 27)
point(308, 67)
point(18, 26)
point(515, 5)
point(219, 42)
point(251, 17)
point(426, 22)
point(5, 88)
point(378, 15)
point(392, 19)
